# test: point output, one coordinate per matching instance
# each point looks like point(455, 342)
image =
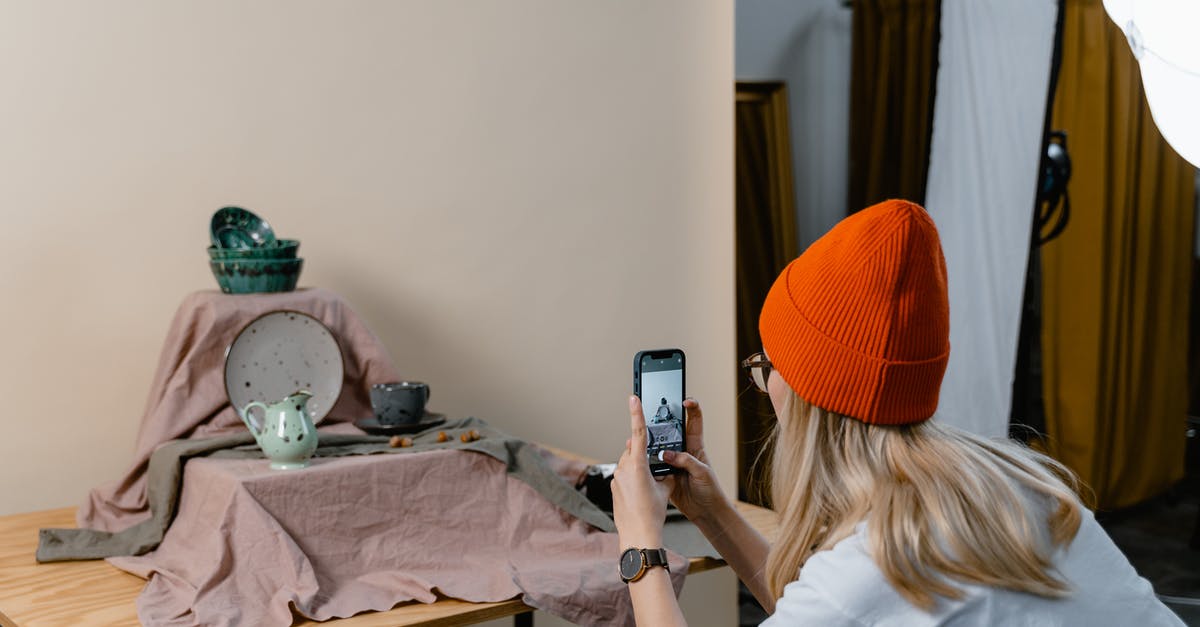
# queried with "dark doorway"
point(766, 242)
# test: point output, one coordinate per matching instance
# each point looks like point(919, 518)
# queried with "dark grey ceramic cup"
point(399, 403)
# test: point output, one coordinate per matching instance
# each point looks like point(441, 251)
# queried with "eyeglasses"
point(758, 368)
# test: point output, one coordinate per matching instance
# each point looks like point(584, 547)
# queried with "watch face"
point(631, 563)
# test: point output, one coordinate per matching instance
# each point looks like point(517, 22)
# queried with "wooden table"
point(95, 593)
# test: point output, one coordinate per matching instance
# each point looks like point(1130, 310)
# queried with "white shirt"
point(843, 586)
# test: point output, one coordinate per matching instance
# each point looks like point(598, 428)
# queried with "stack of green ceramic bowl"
point(247, 258)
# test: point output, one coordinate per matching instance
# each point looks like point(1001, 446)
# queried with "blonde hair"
point(940, 504)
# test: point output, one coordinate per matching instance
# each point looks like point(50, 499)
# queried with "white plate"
point(281, 352)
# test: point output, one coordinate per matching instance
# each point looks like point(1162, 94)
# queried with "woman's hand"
point(639, 501)
point(696, 492)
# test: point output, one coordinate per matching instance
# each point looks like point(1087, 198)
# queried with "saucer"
point(371, 425)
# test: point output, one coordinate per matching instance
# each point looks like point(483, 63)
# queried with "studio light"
point(1165, 42)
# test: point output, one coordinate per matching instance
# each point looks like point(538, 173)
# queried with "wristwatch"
point(634, 562)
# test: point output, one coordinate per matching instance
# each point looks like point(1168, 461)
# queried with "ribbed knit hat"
point(860, 323)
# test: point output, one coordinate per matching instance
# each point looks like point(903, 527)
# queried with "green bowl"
point(277, 249)
point(234, 227)
point(250, 276)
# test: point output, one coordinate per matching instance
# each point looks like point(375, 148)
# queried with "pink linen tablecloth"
point(352, 534)
point(187, 398)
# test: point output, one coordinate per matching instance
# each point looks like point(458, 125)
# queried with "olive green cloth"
point(166, 469)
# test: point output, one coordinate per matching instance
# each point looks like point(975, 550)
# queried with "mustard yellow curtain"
point(1116, 283)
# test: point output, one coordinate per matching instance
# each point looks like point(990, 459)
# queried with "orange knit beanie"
point(860, 323)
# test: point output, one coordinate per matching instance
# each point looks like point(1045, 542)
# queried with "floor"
point(1158, 538)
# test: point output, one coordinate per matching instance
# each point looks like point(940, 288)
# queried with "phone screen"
point(660, 386)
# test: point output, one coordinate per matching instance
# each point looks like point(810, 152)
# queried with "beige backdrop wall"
point(516, 196)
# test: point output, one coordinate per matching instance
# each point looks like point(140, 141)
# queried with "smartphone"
point(658, 379)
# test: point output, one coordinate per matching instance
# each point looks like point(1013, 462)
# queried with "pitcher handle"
point(255, 429)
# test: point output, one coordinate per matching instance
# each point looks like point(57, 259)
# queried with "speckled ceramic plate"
point(281, 352)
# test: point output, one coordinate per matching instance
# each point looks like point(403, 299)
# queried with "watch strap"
point(646, 559)
point(656, 557)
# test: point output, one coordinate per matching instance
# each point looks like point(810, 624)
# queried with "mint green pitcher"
point(287, 434)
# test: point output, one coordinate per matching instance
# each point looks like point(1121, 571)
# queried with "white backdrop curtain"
point(988, 119)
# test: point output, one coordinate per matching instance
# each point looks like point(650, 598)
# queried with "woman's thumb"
point(682, 460)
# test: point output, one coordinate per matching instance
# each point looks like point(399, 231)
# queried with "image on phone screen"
point(662, 402)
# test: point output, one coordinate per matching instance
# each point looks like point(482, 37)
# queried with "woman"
point(886, 518)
